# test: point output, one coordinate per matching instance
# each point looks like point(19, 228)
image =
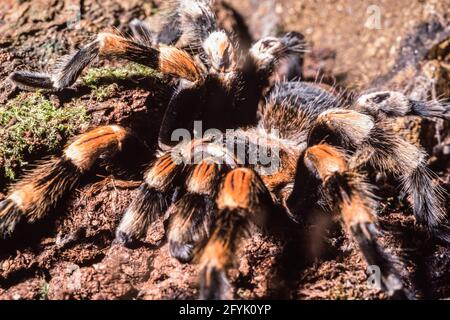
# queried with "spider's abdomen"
point(291, 108)
point(304, 95)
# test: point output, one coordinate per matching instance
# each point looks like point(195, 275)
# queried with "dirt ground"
point(71, 255)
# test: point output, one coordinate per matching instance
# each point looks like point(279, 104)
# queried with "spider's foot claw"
point(183, 252)
point(132, 227)
point(124, 239)
point(10, 216)
point(394, 287)
point(391, 282)
point(31, 81)
point(213, 284)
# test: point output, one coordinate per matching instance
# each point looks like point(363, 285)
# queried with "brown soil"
point(71, 255)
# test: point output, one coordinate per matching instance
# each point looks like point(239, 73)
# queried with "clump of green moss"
point(103, 81)
point(94, 76)
point(102, 93)
point(43, 293)
point(31, 124)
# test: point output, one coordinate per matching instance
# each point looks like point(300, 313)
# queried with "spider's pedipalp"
point(243, 200)
point(396, 104)
point(41, 189)
point(191, 216)
point(153, 199)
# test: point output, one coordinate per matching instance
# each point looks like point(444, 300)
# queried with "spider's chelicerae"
point(207, 188)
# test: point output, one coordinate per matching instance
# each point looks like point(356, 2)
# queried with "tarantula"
point(210, 189)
